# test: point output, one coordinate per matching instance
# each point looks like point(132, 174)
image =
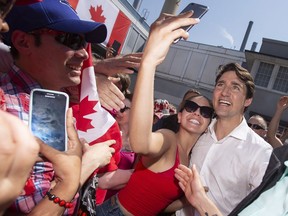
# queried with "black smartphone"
point(116, 46)
point(199, 11)
point(47, 117)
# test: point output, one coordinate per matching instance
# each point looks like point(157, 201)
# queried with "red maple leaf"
point(86, 107)
point(96, 14)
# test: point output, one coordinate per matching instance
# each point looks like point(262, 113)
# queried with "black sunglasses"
point(71, 40)
point(255, 126)
point(205, 111)
point(124, 109)
point(5, 7)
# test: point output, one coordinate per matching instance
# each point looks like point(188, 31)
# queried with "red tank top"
point(148, 193)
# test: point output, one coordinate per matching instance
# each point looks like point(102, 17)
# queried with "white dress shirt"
point(231, 167)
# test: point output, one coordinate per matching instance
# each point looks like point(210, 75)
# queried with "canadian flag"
point(93, 122)
point(104, 11)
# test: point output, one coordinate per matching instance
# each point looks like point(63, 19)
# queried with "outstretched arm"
point(162, 34)
point(274, 124)
point(118, 64)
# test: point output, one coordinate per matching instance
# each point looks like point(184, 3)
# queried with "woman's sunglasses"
point(71, 40)
point(205, 111)
point(255, 126)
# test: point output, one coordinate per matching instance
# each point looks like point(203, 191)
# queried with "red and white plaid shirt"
point(14, 98)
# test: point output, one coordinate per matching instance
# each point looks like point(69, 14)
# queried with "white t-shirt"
point(232, 167)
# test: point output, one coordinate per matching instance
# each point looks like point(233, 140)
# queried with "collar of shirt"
point(240, 132)
point(17, 81)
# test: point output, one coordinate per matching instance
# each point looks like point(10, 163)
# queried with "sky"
point(226, 22)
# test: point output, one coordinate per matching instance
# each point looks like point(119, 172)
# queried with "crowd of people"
point(203, 158)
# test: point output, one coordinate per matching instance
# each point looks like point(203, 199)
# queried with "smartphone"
point(116, 46)
point(199, 11)
point(47, 117)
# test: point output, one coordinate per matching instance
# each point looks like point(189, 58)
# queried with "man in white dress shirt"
point(231, 158)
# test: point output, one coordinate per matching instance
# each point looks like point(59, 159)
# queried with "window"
point(263, 75)
point(281, 82)
point(134, 42)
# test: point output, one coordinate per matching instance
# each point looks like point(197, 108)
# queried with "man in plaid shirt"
point(48, 42)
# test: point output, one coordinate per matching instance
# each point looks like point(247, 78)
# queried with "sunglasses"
point(124, 109)
point(205, 111)
point(255, 126)
point(71, 40)
point(5, 7)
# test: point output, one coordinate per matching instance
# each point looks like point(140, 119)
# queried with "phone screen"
point(47, 118)
point(199, 11)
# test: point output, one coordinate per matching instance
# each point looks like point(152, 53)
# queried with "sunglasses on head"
point(124, 109)
point(255, 126)
point(71, 40)
point(205, 111)
point(5, 7)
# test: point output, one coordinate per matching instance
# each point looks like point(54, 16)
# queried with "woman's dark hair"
point(125, 82)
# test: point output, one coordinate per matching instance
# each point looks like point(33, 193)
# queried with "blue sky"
point(226, 22)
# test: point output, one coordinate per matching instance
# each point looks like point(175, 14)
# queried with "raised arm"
point(162, 34)
point(281, 106)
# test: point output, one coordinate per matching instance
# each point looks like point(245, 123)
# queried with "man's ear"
point(22, 41)
point(248, 102)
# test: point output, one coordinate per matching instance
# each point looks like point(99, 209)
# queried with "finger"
point(114, 79)
point(110, 142)
point(164, 16)
point(74, 144)
point(83, 141)
point(181, 176)
point(182, 186)
point(47, 151)
point(180, 21)
point(185, 169)
point(114, 98)
point(137, 55)
point(195, 172)
point(71, 131)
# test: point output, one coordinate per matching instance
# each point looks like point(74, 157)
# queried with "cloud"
point(228, 36)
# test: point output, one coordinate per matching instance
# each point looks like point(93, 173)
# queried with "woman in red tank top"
point(152, 186)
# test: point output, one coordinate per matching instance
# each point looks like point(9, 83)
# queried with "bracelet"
point(58, 201)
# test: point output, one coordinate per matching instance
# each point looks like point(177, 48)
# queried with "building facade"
point(194, 65)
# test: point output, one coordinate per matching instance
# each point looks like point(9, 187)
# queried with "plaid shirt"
point(17, 86)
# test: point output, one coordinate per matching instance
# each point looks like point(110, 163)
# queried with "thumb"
point(114, 79)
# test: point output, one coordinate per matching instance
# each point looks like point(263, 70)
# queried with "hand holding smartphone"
point(116, 46)
point(198, 12)
point(47, 117)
